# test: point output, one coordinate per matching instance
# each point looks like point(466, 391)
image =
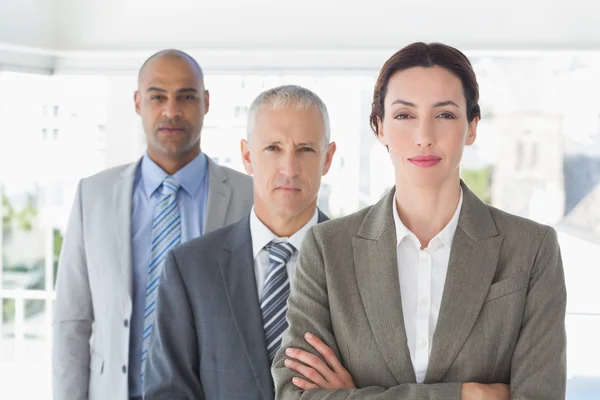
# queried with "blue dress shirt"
point(191, 200)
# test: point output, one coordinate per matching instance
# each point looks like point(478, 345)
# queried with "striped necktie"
point(166, 234)
point(274, 298)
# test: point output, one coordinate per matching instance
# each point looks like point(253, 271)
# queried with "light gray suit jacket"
point(502, 317)
point(208, 341)
point(94, 287)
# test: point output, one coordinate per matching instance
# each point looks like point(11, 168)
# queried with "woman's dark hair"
point(427, 55)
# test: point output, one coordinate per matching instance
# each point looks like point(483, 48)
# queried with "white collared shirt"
point(422, 275)
point(261, 236)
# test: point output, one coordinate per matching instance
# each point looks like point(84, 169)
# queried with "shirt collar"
point(262, 236)
point(190, 177)
point(446, 235)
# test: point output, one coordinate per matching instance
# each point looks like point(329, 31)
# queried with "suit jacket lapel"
point(473, 260)
point(376, 268)
point(322, 217)
point(219, 195)
point(123, 203)
point(237, 270)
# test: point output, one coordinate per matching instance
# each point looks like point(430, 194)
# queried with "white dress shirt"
point(261, 236)
point(422, 275)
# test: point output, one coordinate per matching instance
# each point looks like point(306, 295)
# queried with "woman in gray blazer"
point(430, 293)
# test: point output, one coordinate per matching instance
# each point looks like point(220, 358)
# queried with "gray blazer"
point(90, 351)
point(208, 340)
point(502, 317)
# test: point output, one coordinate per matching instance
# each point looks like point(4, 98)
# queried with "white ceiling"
point(127, 24)
point(130, 29)
point(28, 23)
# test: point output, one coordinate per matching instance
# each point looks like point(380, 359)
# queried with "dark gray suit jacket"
point(208, 340)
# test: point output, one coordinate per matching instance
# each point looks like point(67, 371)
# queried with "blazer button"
point(126, 323)
point(124, 369)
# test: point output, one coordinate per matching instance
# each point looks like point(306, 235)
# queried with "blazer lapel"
point(473, 260)
point(237, 271)
point(376, 268)
point(219, 195)
point(321, 217)
point(123, 201)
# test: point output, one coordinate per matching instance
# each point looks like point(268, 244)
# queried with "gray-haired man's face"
point(287, 156)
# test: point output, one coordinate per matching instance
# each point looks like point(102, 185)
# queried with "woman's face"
point(425, 125)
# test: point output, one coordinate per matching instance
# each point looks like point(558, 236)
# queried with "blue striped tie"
point(166, 234)
point(274, 298)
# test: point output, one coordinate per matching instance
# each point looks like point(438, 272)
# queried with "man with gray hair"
point(223, 297)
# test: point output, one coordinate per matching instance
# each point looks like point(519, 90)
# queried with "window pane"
point(7, 348)
point(38, 177)
point(25, 350)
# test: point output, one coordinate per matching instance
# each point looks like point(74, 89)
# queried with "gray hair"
point(288, 95)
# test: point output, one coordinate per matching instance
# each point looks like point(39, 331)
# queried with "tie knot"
point(281, 251)
point(170, 186)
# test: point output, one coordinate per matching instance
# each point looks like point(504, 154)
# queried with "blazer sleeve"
point(538, 368)
point(172, 367)
point(308, 311)
point(74, 314)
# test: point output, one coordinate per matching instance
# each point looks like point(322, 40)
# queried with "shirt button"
point(424, 257)
point(124, 369)
point(126, 323)
point(422, 344)
point(424, 302)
